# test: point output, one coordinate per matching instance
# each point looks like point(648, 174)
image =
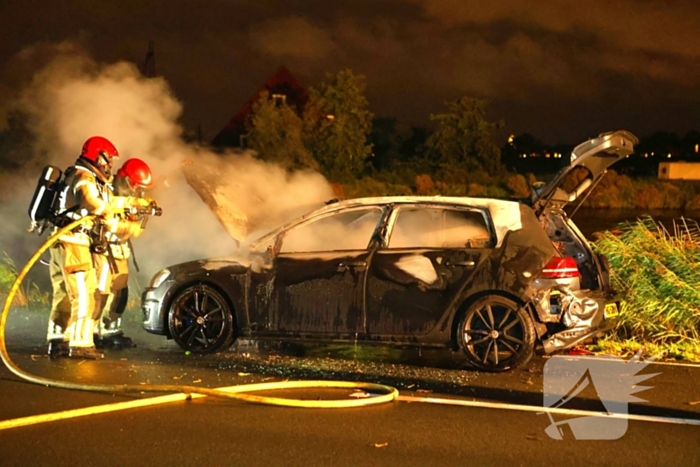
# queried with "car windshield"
point(349, 229)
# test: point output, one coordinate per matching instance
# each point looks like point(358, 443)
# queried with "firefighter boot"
point(89, 353)
point(57, 341)
point(81, 340)
point(58, 348)
point(111, 336)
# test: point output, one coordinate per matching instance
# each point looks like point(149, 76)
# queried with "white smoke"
point(72, 98)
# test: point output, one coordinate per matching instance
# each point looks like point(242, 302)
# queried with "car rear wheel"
point(200, 320)
point(496, 334)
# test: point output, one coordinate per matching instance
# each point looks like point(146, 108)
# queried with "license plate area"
point(611, 310)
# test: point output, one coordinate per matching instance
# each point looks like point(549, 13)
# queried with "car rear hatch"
point(596, 155)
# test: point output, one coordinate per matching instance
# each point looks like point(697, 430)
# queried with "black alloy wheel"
point(496, 334)
point(200, 320)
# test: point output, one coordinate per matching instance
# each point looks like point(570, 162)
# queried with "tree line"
point(337, 134)
point(458, 155)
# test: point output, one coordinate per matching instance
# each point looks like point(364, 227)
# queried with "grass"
point(29, 295)
point(687, 350)
point(658, 273)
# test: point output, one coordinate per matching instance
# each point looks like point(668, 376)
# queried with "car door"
point(431, 252)
point(318, 273)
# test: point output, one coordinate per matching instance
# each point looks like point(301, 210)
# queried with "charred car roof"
point(505, 213)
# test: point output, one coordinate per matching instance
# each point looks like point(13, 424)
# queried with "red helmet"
point(137, 172)
point(100, 151)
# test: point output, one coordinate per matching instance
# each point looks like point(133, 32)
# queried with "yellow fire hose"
point(240, 392)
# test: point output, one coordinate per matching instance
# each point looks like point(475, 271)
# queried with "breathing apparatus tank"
point(43, 209)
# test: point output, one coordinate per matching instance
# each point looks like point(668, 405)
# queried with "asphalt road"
point(217, 432)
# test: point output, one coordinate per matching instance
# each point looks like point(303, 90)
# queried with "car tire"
point(200, 320)
point(496, 334)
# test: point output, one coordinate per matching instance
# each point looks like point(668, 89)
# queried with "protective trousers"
point(113, 286)
point(60, 303)
point(77, 268)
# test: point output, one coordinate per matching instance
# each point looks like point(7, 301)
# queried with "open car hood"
point(596, 155)
point(239, 199)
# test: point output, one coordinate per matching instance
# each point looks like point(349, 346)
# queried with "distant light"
point(669, 155)
point(652, 153)
point(547, 155)
point(646, 155)
point(330, 117)
point(512, 137)
point(524, 156)
point(697, 148)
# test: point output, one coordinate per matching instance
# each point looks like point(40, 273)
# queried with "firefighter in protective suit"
point(131, 181)
point(73, 261)
point(75, 258)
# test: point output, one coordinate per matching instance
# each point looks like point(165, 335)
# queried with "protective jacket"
point(86, 193)
point(129, 225)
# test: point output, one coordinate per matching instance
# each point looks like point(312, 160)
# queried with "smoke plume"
point(71, 98)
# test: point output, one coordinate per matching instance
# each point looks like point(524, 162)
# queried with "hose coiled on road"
point(386, 393)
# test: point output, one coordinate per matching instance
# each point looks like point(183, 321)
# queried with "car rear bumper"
point(603, 318)
point(571, 337)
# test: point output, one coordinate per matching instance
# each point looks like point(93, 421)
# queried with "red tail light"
point(560, 267)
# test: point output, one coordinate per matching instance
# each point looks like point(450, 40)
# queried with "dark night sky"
point(560, 69)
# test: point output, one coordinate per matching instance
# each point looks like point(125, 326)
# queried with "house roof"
point(281, 82)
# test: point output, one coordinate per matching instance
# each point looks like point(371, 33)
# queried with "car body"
point(494, 278)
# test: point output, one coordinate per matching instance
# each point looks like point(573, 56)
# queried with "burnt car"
point(496, 279)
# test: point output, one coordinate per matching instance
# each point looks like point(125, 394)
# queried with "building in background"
point(281, 86)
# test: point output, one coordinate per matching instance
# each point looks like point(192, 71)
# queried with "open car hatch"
point(596, 155)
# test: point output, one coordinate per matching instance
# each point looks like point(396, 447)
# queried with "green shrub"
point(28, 295)
point(658, 274)
point(518, 186)
point(425, 185)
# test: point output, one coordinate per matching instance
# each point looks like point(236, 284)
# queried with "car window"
point(346, 230)
point(417, 227)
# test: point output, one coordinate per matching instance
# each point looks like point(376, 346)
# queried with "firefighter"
point(73, 262)
point(131, 181)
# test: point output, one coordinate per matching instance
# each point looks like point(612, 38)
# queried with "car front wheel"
point(200, 320)
point(496, 334)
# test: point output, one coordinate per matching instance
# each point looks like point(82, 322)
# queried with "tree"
point(414, 145)
point(275, 133)
point(337, 123)
point(385, 142)
point(465, 138)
